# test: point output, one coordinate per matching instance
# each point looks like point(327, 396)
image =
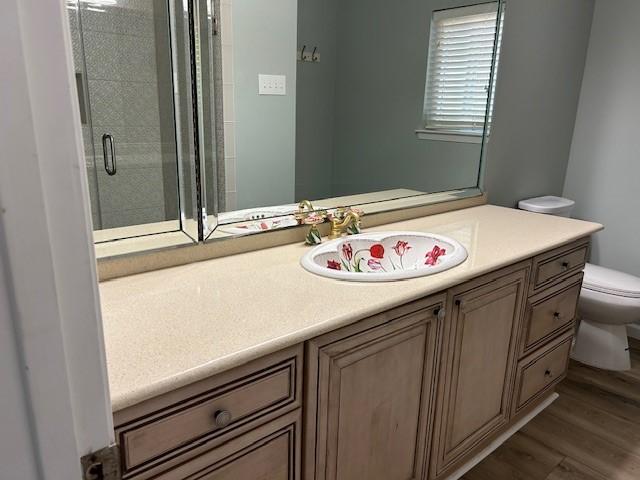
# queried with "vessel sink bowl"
point(384, 256)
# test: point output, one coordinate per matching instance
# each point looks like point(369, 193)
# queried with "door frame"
point(49, 294)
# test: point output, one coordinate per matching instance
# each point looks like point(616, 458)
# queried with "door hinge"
point(102, 465)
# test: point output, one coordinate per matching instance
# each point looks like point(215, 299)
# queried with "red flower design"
point(333, 265)
point(374, 264)
point(347, 251)
point(401, 248)
point(432, 256)
point(376, 251)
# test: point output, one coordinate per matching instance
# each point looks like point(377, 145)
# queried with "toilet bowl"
point(609, 301)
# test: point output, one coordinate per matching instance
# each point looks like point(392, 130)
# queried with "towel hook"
point(313, 54)
point(304, 47)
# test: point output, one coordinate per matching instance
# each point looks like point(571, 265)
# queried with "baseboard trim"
point(488, 450)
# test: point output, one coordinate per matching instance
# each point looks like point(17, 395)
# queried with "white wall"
point(603, 176)
point(53, 369)
point(17, 458)
point(541, 65)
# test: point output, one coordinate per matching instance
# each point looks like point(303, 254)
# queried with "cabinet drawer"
point(542, 370)
point(550, 312)
point(557, 264)
point(233, 406)
point(270, 452)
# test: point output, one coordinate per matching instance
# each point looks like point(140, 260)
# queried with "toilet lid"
point(612, 282)
point(547, 204)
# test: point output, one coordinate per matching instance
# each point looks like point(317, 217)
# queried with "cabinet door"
point(476, 380)
point(368, 414)
point(269, 452)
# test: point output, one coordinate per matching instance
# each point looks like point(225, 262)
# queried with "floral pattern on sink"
point(391, 256)
point(378, 257)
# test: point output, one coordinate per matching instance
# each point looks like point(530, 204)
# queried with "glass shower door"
point(131, 69)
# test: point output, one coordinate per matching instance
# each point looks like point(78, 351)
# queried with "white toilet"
point(609, 301)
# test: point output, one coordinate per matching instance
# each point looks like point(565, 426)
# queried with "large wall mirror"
point(351, 102)
point(212, 118)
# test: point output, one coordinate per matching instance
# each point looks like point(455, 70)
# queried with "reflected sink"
point(257, 219)
point(384, 256)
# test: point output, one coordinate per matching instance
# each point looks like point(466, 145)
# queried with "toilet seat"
point(609, 300)
point(611, 282)
point(609, 296)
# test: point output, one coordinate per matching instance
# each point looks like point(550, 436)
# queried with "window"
point(459, 69)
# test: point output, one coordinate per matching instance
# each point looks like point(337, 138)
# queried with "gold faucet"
point(305, 204)
point(340, 223)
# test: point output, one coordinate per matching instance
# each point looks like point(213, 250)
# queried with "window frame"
point(431, 131)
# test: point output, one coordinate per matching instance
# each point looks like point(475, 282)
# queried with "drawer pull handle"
point(548, 374)
point(565, 266)
point(222, 418)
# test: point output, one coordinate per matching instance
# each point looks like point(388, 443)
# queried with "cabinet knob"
point(565, 265)
point(458, 303)
point(440, 313)
point(222, 418)
point(556, 315)
point(548, 374)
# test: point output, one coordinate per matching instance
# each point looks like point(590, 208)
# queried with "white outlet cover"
point(272, 84)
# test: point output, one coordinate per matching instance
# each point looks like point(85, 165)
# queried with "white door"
point(54, 400)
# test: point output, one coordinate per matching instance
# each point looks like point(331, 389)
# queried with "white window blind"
point(459, 68)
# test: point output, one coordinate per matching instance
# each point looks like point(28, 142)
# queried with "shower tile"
point(230, 173)
point(107, 102)
point(226, 27)
point(137, 23)
point(137, 59)
point(228, 110)
point(227, 64)
point(141, 100)
point(101, 21)
point(102, 52)
point(133, 216)
point(229, 139)
point(232, 201)
point(131, 188)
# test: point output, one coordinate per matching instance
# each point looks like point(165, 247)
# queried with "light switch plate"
point(272, 84)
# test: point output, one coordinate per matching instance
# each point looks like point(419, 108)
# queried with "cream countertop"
point(168, 328)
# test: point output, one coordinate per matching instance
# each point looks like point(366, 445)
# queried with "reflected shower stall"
point(137, 78)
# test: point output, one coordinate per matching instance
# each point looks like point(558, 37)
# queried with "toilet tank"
point(548, 204)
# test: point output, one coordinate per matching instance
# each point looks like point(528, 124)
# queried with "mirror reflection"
point(218, 117)
point(130, 85)
point(352, 102)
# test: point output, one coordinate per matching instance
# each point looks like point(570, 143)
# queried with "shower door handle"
point(109, 153)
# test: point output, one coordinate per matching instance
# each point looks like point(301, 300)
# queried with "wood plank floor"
point(592, 432)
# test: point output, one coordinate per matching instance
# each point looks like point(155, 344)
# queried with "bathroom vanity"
point(249, 367)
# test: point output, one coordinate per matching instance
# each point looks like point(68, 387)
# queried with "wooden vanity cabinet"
point(412, 393)
point(369, 396)
point(269, 452)
point(245, 419)
point(479, 360)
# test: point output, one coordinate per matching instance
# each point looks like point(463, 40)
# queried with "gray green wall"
point(541, 66)
point(604, 166)
point(382, 63)
point(264, 41)
point(349, 143)
point(315, 99)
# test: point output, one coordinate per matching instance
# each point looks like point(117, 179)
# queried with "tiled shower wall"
point(128, 70)
point(226, 20)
